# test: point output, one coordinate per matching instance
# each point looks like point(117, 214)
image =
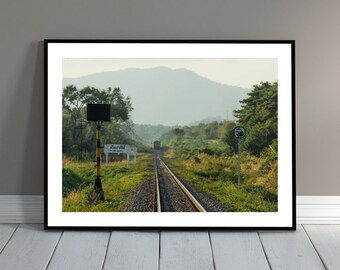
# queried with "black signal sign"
point(99, 112)
point(240, 132)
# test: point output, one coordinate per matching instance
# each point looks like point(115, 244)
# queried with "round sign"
point(240, 132)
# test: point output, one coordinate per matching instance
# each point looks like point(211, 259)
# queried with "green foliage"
point(230, 139)
point(208, 160)
point(71, 181)
point(259, 116)
point(179, 132)
point(217, 176)
point(78, 134)
point(200, 132)
point(117, 181)
point(74, 100)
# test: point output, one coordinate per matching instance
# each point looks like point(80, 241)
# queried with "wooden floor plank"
point(6, 231)
point(133, 250)
point(290, 250)
point(80, 250)
point(185, 250)
point(29, 248)
point(326, 240)
point(238, 251)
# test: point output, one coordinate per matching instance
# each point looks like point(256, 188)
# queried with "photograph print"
point(169, 135)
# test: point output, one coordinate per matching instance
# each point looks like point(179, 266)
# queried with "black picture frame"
point(51, 45)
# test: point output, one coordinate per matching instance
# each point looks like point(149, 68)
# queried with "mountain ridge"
point(161, 95)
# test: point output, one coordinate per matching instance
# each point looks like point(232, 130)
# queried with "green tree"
point(258, 114)
point(211, 131)
point(179, 132)
point(229, 137)
point(78, 134)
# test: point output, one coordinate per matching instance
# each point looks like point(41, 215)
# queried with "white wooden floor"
point(28, 246)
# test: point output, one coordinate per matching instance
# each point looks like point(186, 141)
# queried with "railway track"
point(171, 194)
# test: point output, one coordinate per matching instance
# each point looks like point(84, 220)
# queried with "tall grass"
point(217, 175)
point(118, 179)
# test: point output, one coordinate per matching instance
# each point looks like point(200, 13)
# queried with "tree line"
point(258, 114)
point(78, 137)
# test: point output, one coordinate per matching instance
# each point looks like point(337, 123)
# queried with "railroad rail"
point(158, 196)
point(196, 206)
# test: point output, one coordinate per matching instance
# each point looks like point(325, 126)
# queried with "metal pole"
point(239, 162)
point(98, 182)
point(107, 159)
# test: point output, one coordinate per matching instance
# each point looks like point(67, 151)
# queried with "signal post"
point(98, 113)
point(239, 133)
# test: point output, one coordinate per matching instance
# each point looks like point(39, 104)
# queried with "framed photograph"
point(169, 134)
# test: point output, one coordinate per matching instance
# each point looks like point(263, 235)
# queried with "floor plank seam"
point(264, 251)
point(107, 248)
point(212, 251)
point(159, 250)
point(323, 263)
point(9, 239)
point(55, 248)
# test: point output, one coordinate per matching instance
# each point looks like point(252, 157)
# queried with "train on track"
point(156, 145)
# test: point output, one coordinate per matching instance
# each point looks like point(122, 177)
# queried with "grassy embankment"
point(78, 179)
point(210, 169)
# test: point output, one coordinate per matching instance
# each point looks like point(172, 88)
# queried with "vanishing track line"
point(171, 194)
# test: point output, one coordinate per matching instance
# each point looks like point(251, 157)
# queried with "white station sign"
point(116, 148)
point(120, 149)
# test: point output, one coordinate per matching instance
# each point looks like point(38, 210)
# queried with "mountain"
point(150, 133)
point(164, 96)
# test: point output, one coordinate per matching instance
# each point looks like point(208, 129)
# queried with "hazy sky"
point(244, 72)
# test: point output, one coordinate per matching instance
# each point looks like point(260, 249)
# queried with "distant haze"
point(164, 96)
point(243, 72)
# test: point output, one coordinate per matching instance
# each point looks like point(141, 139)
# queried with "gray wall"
point(313, 24)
